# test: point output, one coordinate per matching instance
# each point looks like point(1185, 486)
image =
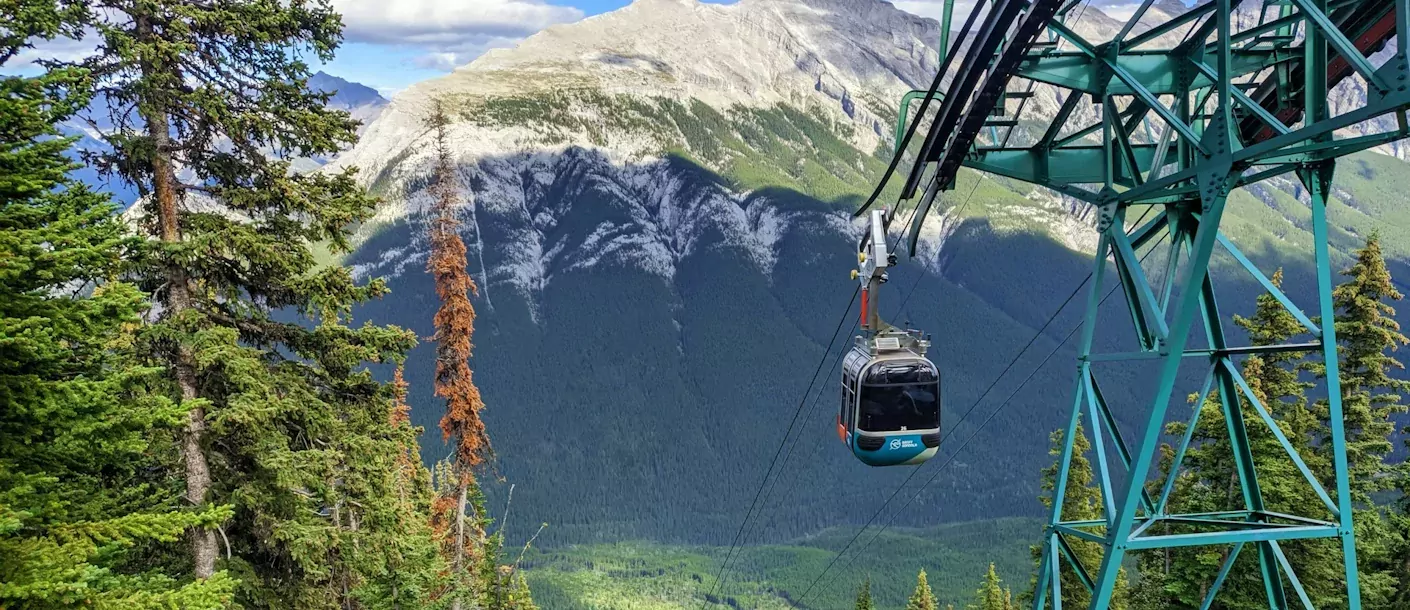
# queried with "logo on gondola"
point(897, 443)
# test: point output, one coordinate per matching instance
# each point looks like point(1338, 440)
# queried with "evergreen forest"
point(188, 414)
point(204, 404)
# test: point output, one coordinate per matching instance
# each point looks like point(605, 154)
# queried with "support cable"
point(976, 432)
point(735, 542)
point(986, 392)
point(949, 58)
point(946, 436)
point(920, 113)
point(783, 466)
point(792, 489)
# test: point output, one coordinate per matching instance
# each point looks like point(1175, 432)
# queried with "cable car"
point(890, 411)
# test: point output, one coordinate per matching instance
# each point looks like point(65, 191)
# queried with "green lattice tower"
point(1230, 105)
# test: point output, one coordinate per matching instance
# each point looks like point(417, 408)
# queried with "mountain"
point(359, 100)
point(658, 215)
point(346, 95)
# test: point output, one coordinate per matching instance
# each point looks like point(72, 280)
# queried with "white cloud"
point(451, 33)
point(450, 56)
point(1120, 11)
point(59, 49)
point(933, 8)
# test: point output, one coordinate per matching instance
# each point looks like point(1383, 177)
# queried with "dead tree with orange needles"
point(455, 325)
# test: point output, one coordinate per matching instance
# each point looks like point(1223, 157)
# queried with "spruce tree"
point(78, 428)
point(455, 325)
point(1276, 379)
point(1276, 383)
point(922, 598)
point(992, 595)
point(1368, 334)
point(398, 558)
point(209, 104)
point(509, 591)
point(1400, 521)
point(1082, 501)
point(1180, 578)
point(488, 583)
point(864, 596)
point(1209, 479)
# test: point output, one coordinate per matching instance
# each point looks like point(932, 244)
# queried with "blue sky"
point(394, 43)
point(391, 44)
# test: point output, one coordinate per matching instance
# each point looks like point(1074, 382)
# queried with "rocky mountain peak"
point(799, 94)
point(347, 95)
point(846, 60)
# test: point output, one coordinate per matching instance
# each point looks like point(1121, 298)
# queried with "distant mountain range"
point(361, 101)
point(347, 95)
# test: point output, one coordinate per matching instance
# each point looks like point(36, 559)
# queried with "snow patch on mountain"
point(647, 215)
point(568, 153)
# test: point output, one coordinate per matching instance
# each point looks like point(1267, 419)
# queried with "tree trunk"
point(198, 476)
point(458, 565)
point(164, 193)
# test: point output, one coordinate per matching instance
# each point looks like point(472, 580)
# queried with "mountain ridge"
point(364, 103)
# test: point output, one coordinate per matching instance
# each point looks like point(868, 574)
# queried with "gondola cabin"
point(890, 412)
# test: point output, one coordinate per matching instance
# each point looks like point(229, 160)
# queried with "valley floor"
point(649, 576)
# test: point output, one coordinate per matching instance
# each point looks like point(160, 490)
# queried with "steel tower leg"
point(1127, 523)
point(1049, 570)
point(1118, 537)
point(1194, 226)
point(1318, 181)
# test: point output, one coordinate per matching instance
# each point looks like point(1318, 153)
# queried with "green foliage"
point(1209, 480)
point(509, 590)
point(80, 433)
point(864, 596)
point(702, 353)
point(1400, 521)
point(1277, 385)
point(1400, 548)
point(487, 580)
point(1081, 502)
point(389, 559)
point(992, 595)
point(1367, 336)
point(923, 598)
point(649, 575)
point(752, 148)
point(287, 424)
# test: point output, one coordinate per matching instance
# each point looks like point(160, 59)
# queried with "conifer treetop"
point(923, 598)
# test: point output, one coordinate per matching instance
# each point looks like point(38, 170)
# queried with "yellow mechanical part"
point(856, 274)
point(862, 256)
